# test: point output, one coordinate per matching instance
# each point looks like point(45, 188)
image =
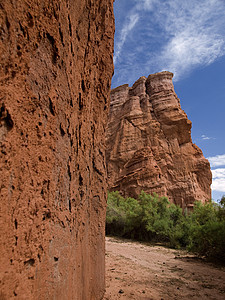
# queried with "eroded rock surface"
point(149, 145)
point(55, 71)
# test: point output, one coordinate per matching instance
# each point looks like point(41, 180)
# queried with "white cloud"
point(186, 51)
point(205, 137)
point(174, 35)
point(195, 37)
point(145, 4)
point(218, 173)
point(218, 185)
point(129, 25)
point(218, 182)
point(216, 161)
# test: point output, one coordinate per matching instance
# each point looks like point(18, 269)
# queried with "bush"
point(122, 215)
point(154, 218)
point(161, 219)
point(207, 230)
point(149, 218)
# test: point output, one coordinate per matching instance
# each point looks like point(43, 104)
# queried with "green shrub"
point(207, 230)
point(154, 218)
point(122, 215)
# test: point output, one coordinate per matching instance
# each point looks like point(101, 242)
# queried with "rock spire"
point(149, 145)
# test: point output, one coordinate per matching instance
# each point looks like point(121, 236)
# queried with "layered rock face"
point(149, 144)
point(55, 70)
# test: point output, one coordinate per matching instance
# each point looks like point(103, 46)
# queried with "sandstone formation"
point(149, 145)
point(55, 70)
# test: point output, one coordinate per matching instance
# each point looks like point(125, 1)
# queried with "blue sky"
point(188, 39)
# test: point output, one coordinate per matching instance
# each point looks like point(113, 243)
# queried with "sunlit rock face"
point(55, 69)
point(149, 145)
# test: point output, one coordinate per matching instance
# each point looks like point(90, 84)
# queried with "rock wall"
point(149, 144)
point(55, 70)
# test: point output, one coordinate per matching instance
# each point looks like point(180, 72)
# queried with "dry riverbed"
point(139, 271)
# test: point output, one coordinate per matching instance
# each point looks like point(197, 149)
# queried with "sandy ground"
point(139, 271)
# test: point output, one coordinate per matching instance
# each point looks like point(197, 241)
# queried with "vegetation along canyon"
point(111, 186)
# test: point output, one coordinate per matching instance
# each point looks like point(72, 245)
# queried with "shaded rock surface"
point(55, 70)
point(149, 145)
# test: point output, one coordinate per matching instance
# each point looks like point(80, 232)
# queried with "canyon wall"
point(149, 145)
point(55, 70)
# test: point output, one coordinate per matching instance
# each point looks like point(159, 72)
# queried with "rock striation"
point(149, 145)
point(56, 64)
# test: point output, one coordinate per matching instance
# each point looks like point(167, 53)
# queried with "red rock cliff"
point(149, 144)
point(55, 71)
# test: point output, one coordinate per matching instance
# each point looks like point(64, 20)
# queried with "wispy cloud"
point(170, 35)
point(145, 4)
point(217, 161)
point(131, 20)
point(218, 182)
point(205, 137)
point(195, 35)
